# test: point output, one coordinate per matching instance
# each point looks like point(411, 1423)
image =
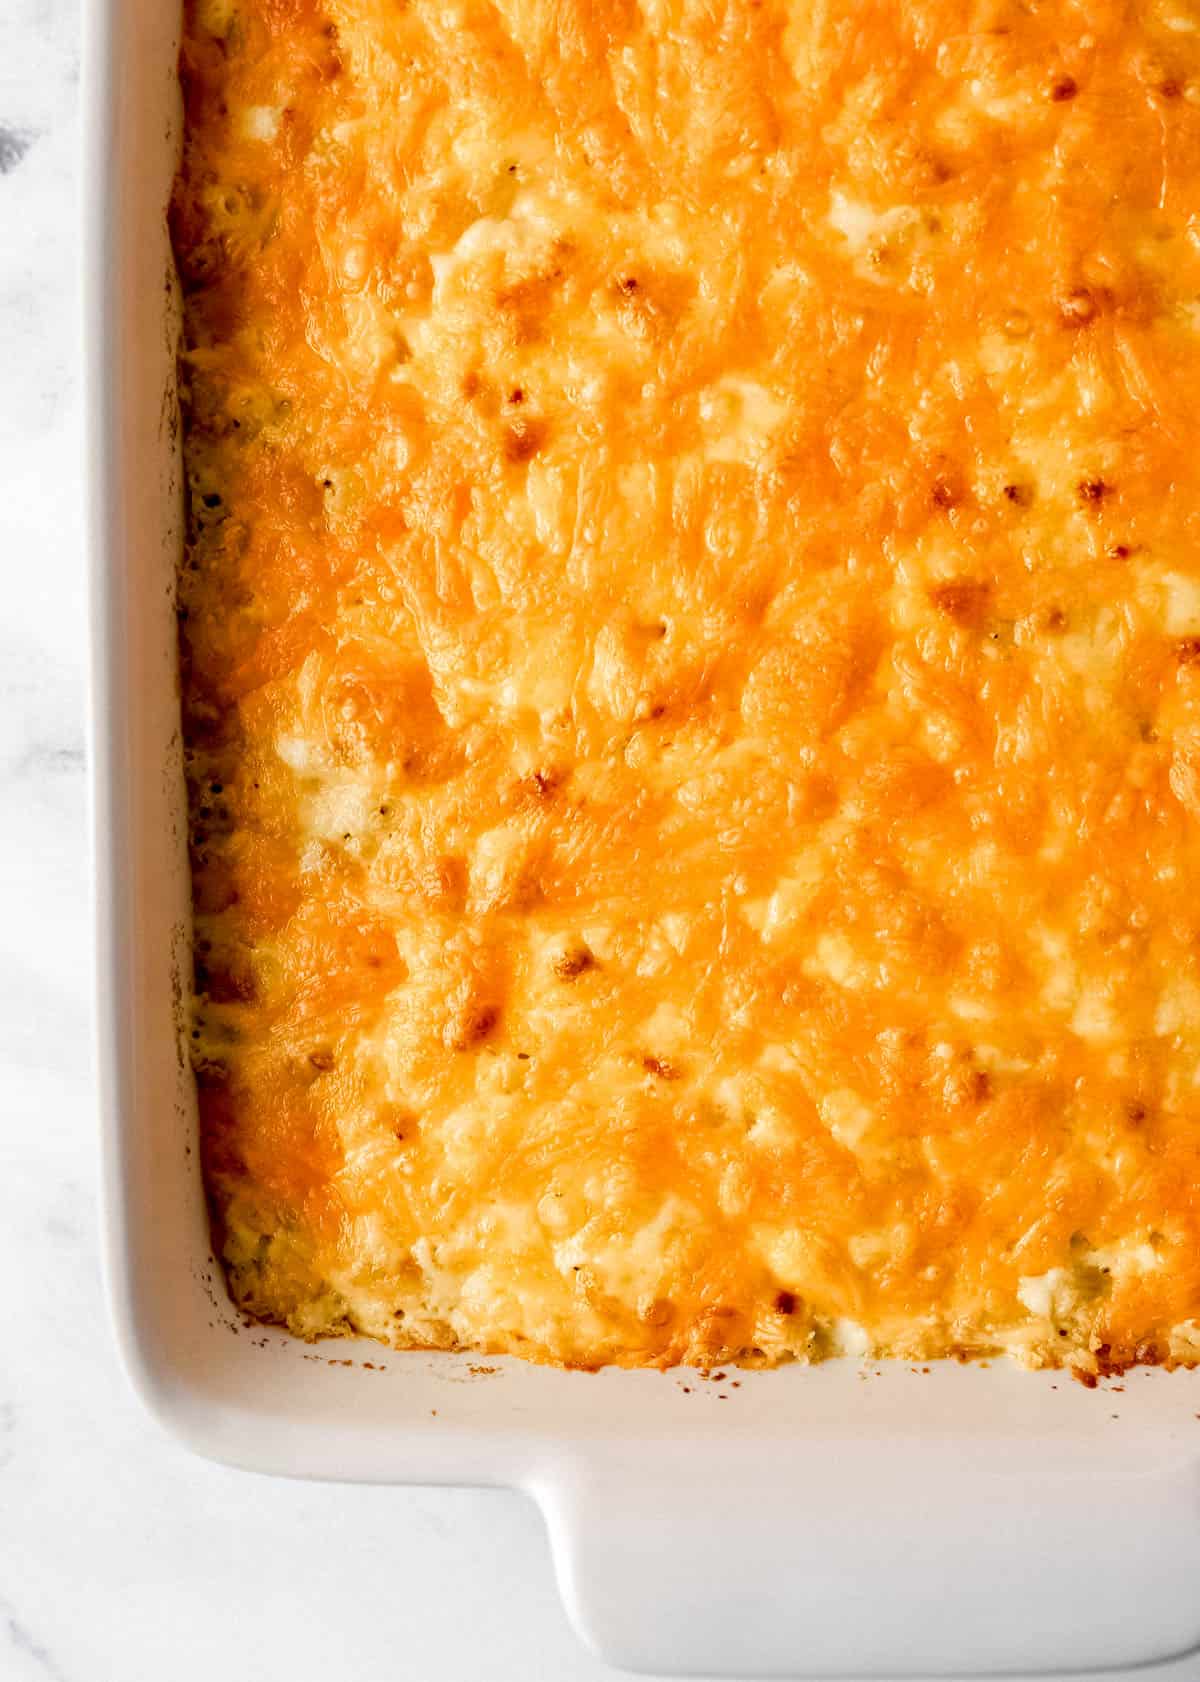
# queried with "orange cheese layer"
point(691, 635)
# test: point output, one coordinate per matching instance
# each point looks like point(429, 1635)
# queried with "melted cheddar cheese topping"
point(691, 634)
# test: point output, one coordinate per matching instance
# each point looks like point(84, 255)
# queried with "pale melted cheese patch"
point(261, 122)
point(1046, 1294)
point(866, 231)
point(1180, 604)
point(740, 419)
point(846, 1117)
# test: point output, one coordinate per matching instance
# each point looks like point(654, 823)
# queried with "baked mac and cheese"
point(691, 633)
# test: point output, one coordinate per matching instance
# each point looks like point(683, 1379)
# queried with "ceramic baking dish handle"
point(679, 1561)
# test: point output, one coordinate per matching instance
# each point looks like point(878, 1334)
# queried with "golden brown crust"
point(691, 693)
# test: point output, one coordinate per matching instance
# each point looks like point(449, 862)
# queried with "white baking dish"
point(799, 1523)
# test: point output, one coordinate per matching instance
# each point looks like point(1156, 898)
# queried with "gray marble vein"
point(14, 143)
point(25, 1645)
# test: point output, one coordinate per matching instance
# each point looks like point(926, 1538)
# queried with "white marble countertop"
point(122, 1558)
